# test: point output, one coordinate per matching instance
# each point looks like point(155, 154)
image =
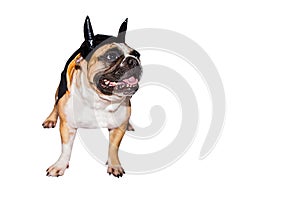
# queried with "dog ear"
point(88, 32)
point(122, 31)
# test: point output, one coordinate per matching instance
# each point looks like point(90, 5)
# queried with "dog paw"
point(57, 169)
point(130, 127)
point(49, 123)
point(115, 170)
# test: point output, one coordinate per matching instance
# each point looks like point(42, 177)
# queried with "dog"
point(95, 89)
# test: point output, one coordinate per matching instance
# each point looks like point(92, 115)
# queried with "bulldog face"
point(115, 69)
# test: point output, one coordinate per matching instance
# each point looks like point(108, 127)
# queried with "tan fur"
point(94, 65)
point(115, 138)
point(63, 128)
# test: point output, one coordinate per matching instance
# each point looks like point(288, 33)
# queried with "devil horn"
point(88, 31)
point(122, 30)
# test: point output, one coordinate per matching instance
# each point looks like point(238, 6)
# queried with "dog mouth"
point(125, 86)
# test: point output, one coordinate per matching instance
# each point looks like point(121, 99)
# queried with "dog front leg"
point(115, 138)
point(67, 139)
point(51, 120)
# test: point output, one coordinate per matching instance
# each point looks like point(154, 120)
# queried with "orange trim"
point(70, 71)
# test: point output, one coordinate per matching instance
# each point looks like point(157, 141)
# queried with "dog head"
point(113, 68)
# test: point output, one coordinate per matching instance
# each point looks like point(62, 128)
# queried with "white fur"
point(86, 109)
point(67, 150)
point(59, 167)
point(125, 48)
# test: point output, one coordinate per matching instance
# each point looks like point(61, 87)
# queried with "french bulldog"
point(95, 89)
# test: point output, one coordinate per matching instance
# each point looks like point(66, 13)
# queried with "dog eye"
point(111, 56)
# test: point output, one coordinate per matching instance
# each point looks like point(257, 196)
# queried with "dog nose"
point(132, 62)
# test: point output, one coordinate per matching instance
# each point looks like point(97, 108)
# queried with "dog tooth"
point(112, 83)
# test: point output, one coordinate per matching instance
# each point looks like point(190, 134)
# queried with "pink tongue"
point(131, 80)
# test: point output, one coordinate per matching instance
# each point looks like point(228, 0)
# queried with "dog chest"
point(84, 109)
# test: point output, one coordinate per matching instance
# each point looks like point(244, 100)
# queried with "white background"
point(255, 46)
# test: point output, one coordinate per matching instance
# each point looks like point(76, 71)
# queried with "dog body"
point(95, 90)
